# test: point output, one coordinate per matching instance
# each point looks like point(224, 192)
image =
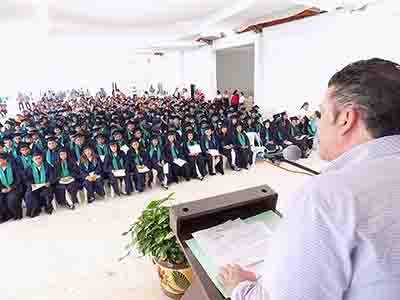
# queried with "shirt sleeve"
point(249, 291)
point(309, 258)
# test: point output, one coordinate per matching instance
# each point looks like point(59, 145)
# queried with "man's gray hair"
point(373, 88)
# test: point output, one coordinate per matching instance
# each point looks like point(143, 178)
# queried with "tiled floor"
point(74, 254)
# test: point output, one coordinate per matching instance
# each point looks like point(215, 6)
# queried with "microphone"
point(293, 153)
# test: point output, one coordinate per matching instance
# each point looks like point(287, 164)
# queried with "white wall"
point(200, 69)
point(300, 57)
point(235, 70)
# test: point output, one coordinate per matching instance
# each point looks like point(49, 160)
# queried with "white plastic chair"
point(255, 140)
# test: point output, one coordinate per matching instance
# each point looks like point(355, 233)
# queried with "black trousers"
point(219, 167)
point(197, 163)
point(61, 189)
point(139, 181)
point(244, 157)
point(176, 171)
point(228, 154)
point(93, 187)
point(115, 184)
point(35, 200)
point(10, 205)
point(160, 172)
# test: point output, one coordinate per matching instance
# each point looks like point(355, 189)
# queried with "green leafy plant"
point(151, 234)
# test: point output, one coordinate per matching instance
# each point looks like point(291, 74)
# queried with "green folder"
point(270, 218)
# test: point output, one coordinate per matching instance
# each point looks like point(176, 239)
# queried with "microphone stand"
point(299, 166)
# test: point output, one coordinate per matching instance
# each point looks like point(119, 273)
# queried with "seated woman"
point(115, 161)
point(210, 148)
point(67, 176)
point(90, 171)
point(136, 166)
point(268, 138)
point(244, 156)
point(285, 135)
point(39, 176)
point(227, 147)
point(194, 157)
point(10, 196)
point(156, 161)
point(175, 157)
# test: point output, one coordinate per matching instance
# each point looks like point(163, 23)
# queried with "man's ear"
point(347, 120)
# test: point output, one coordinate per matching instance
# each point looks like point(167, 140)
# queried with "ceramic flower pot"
point(174, 279)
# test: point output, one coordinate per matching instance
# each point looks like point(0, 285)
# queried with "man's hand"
point(6, 190)
point(231, 275)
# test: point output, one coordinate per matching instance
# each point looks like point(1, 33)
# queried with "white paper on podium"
point(196, 149)
point(179, 162)
point(231, 243)
point(143, 170)
point(119, 173)
point(125, 148)
point(214, 152)
point(38, 186)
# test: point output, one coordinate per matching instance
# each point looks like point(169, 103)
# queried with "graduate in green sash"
point(244, 156)
point(10, 196)
point(67, 179)
point(114, 162)
point(39, 177)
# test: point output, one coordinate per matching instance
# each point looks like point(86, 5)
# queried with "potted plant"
point(151, 235)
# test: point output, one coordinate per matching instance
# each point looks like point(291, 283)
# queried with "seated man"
point(39, 177)
point(10, 198)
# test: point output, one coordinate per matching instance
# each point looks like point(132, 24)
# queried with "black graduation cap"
point(51, 138)
point(171, 132)
point(87, 146)
point(118, 131)
point(63, 149)
point(113, 142)
point(9, 136)
point(154, 137)
point(4, 156)
point(37, 152)
point(23, 145)
point(100, 135)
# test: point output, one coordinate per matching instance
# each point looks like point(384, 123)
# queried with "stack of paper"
point(242, 242)
point(235, 242)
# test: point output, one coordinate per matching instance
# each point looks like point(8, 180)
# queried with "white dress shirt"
point(340, 238)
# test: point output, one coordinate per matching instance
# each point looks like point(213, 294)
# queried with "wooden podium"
point(202, 214)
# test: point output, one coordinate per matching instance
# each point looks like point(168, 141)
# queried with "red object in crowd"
point(235, 100)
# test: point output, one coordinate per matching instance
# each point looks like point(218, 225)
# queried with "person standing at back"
point(235, 100)
point(340, 237)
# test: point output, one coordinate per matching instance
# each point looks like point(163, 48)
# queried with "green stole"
point(151, 152)
point(7, 178)
point(48, 158)
point(26, 161)
point(242, 140)
point(64, 169)
point(101, 149)
point(36, 178)
point(174, 152)
point(117, 164)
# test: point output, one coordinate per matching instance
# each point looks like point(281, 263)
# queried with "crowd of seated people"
point(58, 147)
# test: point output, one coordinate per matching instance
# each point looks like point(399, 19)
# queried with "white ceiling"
point(148, 23)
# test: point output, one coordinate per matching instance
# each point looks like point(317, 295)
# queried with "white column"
point(259, 82)
point(212, 92)
point(181, 70)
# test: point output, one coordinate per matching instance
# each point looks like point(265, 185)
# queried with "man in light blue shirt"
point(340, 238)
